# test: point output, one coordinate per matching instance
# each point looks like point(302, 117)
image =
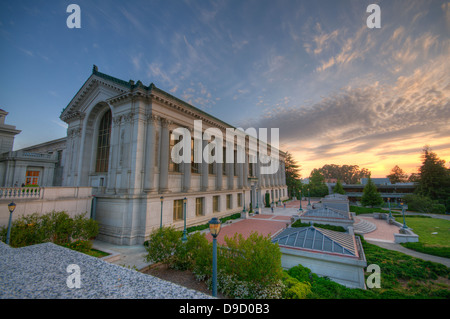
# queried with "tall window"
point(173, 167)
point(104, 134)
point(199, 206)
point(229, 201)
point(215, 204)
point(194, 166)
point(178, 209)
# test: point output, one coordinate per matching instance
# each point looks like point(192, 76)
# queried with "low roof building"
point(338, 256)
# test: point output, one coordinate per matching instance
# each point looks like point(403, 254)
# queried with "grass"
point(434, 235)
point(402, 277)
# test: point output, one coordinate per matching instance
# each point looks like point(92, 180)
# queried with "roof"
point(317, 239)
point(327, 212)
point(131, 85)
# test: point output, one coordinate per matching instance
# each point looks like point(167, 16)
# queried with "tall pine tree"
point(292, 170)
point(434, 178)
point(371, 196)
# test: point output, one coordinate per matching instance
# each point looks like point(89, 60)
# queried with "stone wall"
point(73, 200)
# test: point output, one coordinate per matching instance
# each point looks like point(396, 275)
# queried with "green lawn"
point(434, 235)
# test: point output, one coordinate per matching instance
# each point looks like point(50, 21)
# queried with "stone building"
point(121, 139)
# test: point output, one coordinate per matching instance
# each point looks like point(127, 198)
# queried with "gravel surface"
point(40, 272)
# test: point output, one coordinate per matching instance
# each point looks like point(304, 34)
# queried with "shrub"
point(162, 245)
point(298, 223)
point(56, 227)
point(230, 286)
point(295, 289)
point(254, 256)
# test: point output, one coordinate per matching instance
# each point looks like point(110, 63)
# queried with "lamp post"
point(244, 200)
point(214, 228)
point(11, 208)
point(389, 204)
point(184, 238)
point(403, 213)
point(309, 199)
point(162, 201)
point(300, 209)
point(257, 202)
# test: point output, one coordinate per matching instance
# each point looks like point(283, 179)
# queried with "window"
point(229, 201)
point(178, 209)
point(211, 165)
point(104, 134)
point(239, 199)
point(173, 167)
point(215, 204)
point(199, 206)
point(236, 167)
point(32, 178)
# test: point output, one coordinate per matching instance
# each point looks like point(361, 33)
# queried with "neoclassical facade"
point(120, 140)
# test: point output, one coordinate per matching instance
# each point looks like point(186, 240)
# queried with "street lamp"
point(300, 209)
point(244, 201)
point(309, 198)
point(11, 208)
point(184, 238)
point(162, 201)
point(389, 204)
point(403, 213)
point(214, 228)
point(257, 202)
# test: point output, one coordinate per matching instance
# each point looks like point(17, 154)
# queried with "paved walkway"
point(267, 223)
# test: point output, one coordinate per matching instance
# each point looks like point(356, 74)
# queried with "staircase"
point(363, 226)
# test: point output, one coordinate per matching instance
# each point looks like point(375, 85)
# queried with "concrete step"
point(364, 227)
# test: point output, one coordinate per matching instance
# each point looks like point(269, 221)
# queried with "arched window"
point(104, 135)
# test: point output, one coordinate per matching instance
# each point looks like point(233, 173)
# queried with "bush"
point(56, 227)
point(294, 288)
point(253, 256)
point(162, 245)
point(298, 223)
point(423, 204)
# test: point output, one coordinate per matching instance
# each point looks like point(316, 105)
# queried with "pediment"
point(96, 89)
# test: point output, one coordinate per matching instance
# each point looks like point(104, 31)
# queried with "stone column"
point(149, 154)
point(219, 174)
point(245, 180)
point(114, 149)
point(164, 157)
point(204, 170)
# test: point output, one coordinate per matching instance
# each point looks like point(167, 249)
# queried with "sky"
point(339, 91)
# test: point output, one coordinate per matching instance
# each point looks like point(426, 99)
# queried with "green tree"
point(292, 170)
point(349, 174)
point(434, 178)
point(397, 175)
point(338, 189)
point(371, 196)
point(317, 186)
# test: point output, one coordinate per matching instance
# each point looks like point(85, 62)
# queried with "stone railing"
point(21, 193)
point(28, 155)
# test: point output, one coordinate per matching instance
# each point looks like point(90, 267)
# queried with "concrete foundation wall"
point(343, 270)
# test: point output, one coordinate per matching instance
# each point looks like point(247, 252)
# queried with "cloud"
point(365, 119)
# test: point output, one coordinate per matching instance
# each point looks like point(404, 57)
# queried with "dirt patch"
point(183, 278)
